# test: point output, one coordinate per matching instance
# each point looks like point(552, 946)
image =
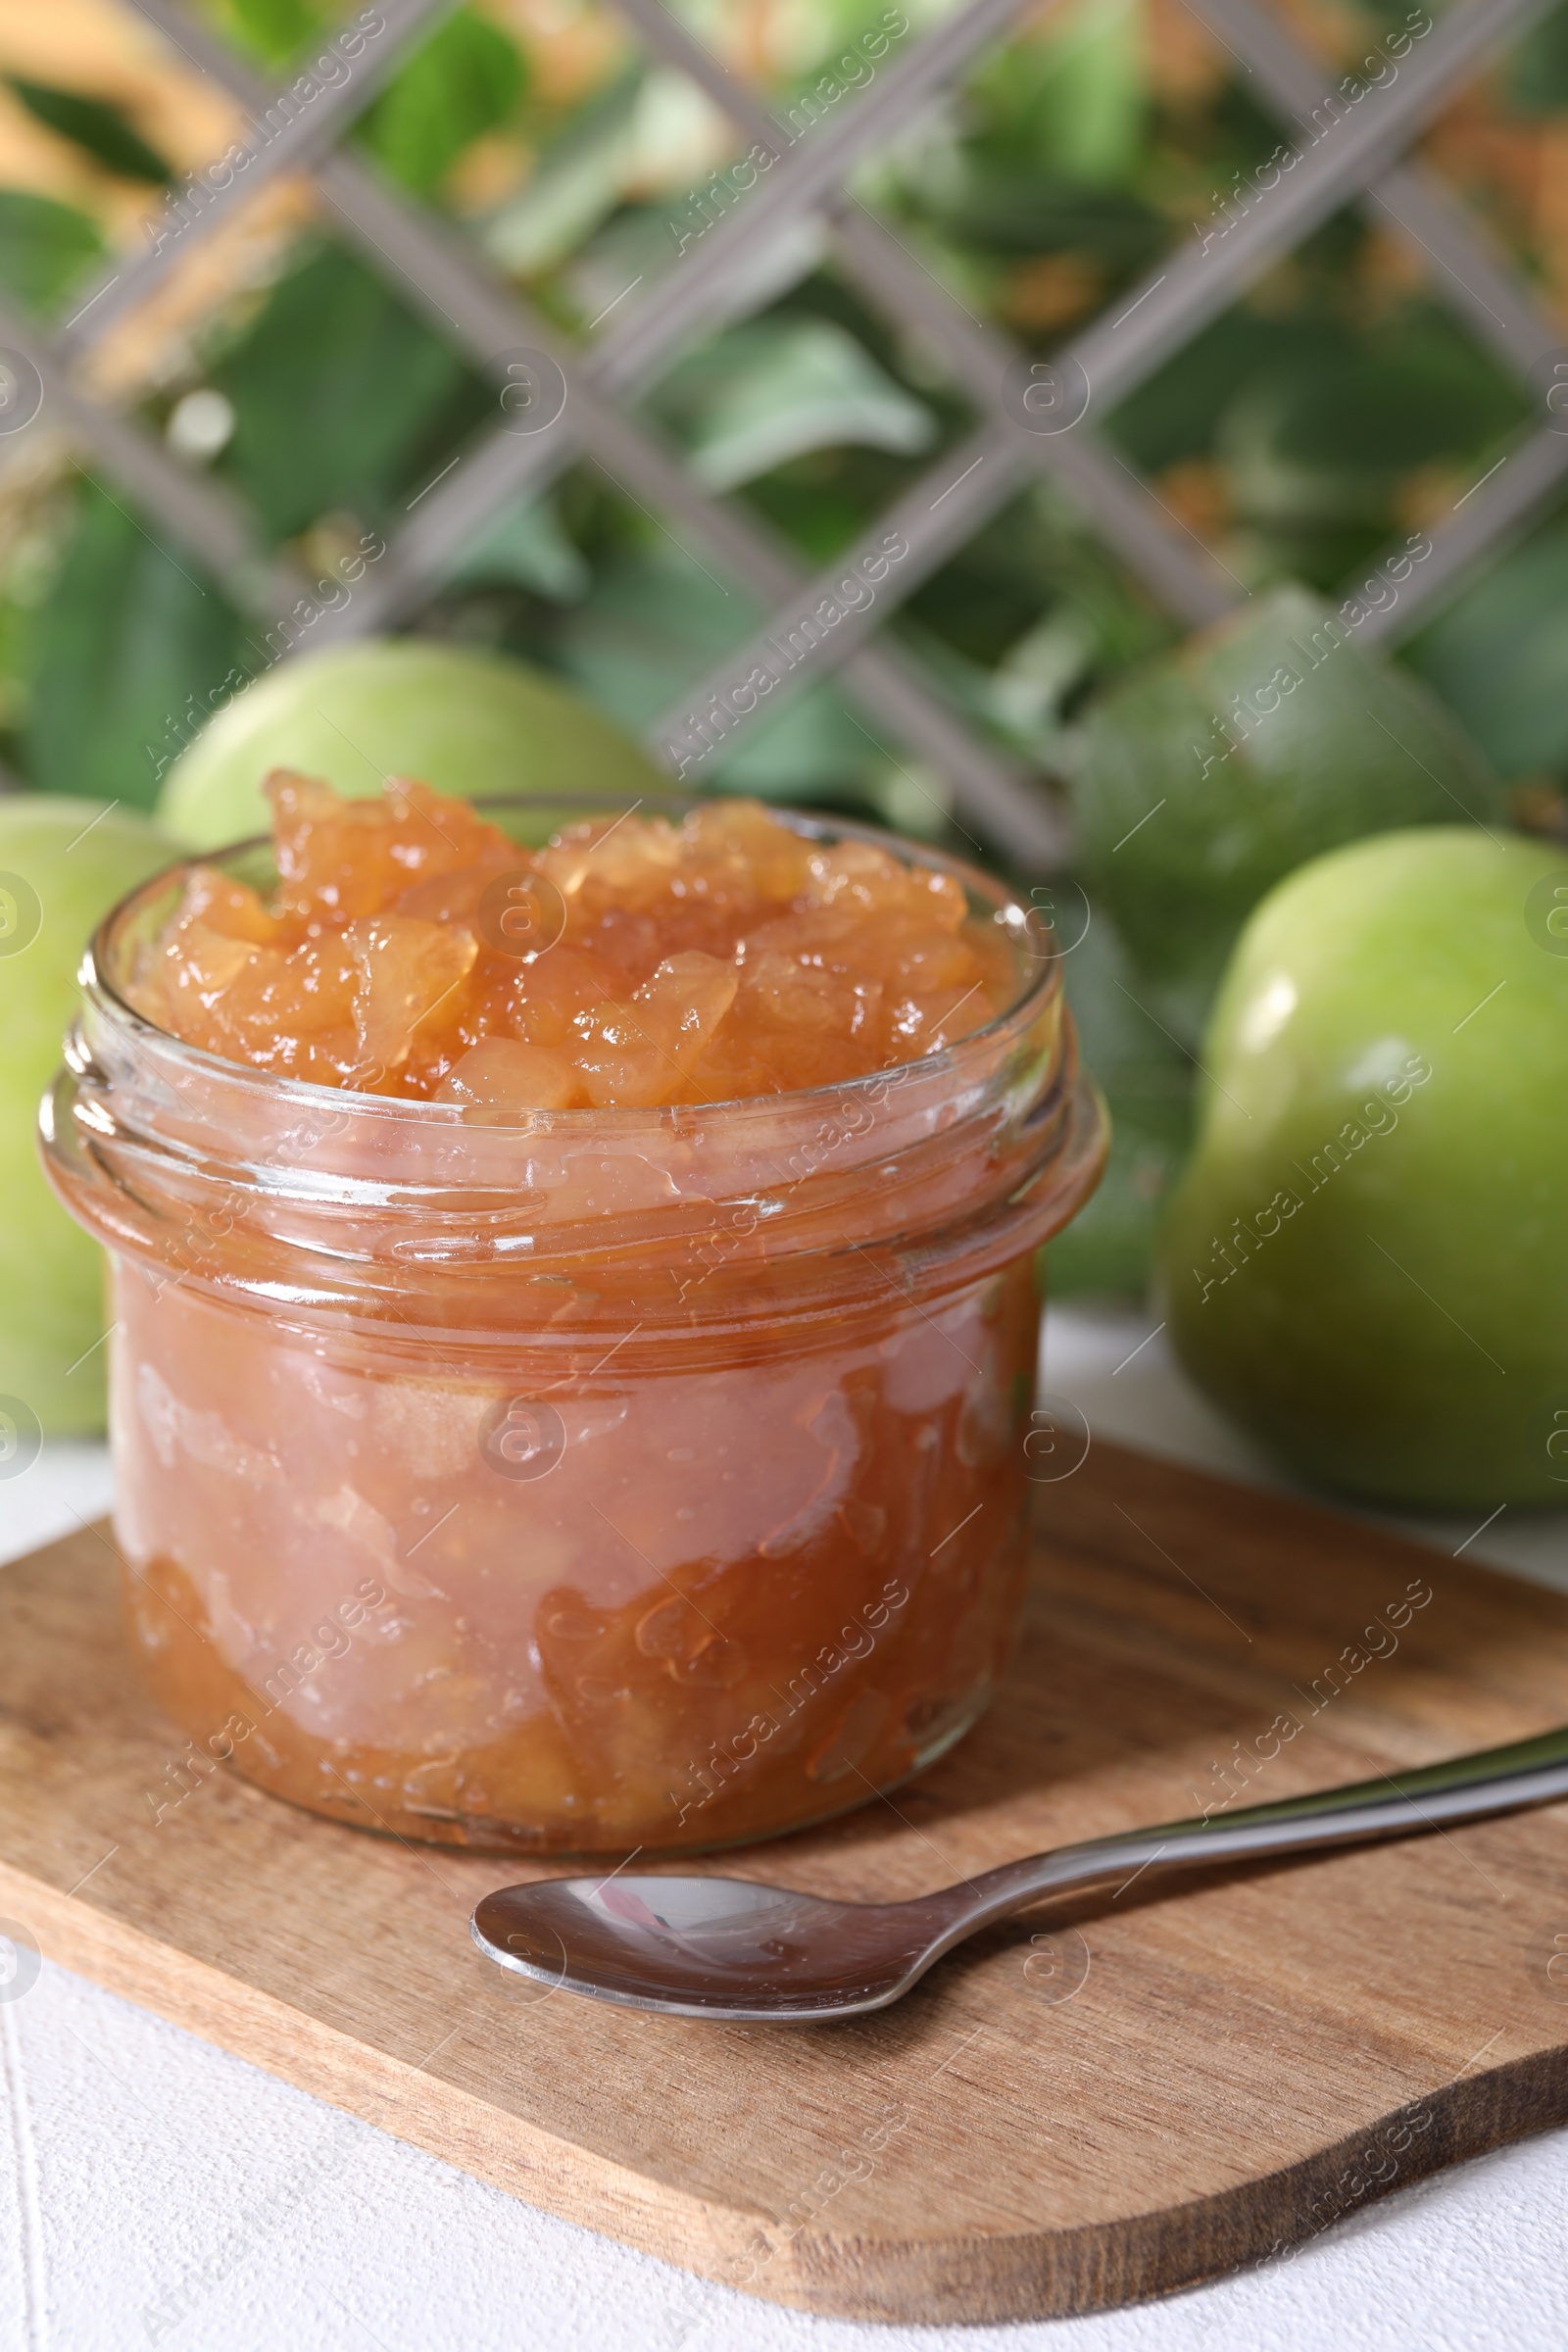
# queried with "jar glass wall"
point(573, 1481)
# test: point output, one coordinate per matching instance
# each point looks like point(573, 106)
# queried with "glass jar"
point(575, 1480)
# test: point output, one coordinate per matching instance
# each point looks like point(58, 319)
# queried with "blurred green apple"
point(1366, 1262)
point(63, 864)
point(467, 723)
point(1212, 772)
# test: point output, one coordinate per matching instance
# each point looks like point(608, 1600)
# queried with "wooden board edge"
point(968, 2278)
point(982, 2279)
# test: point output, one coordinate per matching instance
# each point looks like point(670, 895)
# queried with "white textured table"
point(144, 2175)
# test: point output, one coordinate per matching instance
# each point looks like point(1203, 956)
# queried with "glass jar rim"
point(1025, 1008)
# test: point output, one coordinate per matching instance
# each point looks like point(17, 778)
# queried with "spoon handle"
point(1494, 1780)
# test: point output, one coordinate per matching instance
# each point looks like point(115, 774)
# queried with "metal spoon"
point(735, 1949)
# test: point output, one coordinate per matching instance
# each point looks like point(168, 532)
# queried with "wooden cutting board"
point(1053, 2121)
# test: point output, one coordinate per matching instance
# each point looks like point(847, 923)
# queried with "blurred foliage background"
point(1336, 408)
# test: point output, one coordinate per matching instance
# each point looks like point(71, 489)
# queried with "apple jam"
point(578, 1408)
point(412, 948)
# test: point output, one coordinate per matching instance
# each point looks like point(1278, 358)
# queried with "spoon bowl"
point(705, 1947)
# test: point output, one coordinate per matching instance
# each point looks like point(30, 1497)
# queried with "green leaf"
point(778, 388)
point(342, 399)
point(463, 80)
point(128, 636)
point(1050, 143)
point(44, 247)
point(1328, 439)
point(1498, 656)
point(1036, 554)
point(96, 127)
point(1072, 101)
point(1025, 692)
point(653, 620)
point(276, 29)
point(1008, 207)
point(1176, 412)
point(1148, 1083)
point(525, 547)
point(1537, 72)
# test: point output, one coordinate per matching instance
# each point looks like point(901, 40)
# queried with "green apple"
point(1366, 1262)
point(1212, 772)
point(63, 864)
point(470, 723)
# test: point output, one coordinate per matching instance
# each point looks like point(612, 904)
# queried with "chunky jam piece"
point(412, 948)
